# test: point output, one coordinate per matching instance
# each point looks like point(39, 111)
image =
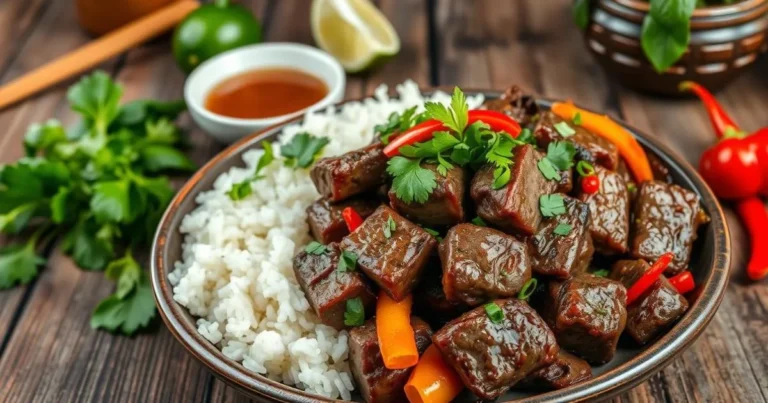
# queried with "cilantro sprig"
point(97, 188)
point(398, 123)
point(461, 145)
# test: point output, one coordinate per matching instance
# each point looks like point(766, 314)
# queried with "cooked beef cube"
point(563, 255)
point(491, 357)
point(666, 220)
point(609, 209)
point(587, 314)
point(655, 311)
point(565, 185)
point(376, 383)
point(628, 271)
point(567, 370)
point(394, 262)
point(481, 263)
point(430, 301)
point(358, 171)
point(589, 147)
point(515, 207)
point(445, 206)
point(516, 104)
point(623, 170)
point(325, 220)
point(328, 289)
point(659, 169)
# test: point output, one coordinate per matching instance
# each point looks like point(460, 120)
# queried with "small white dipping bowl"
point(268, 55)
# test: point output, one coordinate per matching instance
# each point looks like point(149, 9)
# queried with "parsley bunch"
point(463, 145)
point(96, 188)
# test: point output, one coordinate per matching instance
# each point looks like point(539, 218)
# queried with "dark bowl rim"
point(651, 360)
point(700, 12)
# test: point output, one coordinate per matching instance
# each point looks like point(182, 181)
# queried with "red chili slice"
point(650, 277)
point(352, 218)
point(683, 282)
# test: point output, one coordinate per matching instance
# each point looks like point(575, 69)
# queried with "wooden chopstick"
point(96, 52)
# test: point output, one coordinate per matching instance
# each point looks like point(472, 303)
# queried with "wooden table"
point(48, 351)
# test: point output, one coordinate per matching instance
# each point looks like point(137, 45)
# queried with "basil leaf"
point(666, 32)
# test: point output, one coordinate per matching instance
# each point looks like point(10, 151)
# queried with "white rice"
point(236, 272)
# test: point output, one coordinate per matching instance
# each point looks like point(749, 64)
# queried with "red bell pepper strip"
point(683, 282)
point(720, 119)
point(648, 278)
point(424, 131)
point(352, 218)
point(754, 217)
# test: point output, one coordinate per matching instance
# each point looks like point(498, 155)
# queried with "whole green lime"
point(213, 29)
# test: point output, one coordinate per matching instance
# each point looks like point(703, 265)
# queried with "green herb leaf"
point(63, 208)
point(601, 273)
point(315, 248)
point(303, 149)
point(454, 118)
point(347, 261)
point(581, 13)
point(666, 31)
point(43, 137)
point(548, 169)
point(494, 312)
point(389, 227)
point(136, 113)
point(115, 201)
point(126, 314)
point(560, 154)
point(563, 229)
point(479, 222)
point(18, 264)
point(397, 123)
point(355, 312)
point(564, 129)
point(16, 220)
point(411, 181)
point(126, 272)
point(96, 97)
point(528, 289)
point(243, 189)
point(434, 233)
point(158, 158)
point(551, 205)
point(577, 119)
point(90, 245)
point(526, 136)
point(501, 177)
point(631, 187)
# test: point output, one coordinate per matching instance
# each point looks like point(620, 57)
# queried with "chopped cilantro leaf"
point(355, 312)
point(434, 233)
point(551, 205)
point(389, 227)
point(454, 118)
point(302, 150)
point(347, 261)
point(577, 119)
point(243, 189)
point(563, 229)
point(479, 222)
point(560, 154)
point(494, 312)
point(631, 187)
point(526, 136)
point(601, 273)
point(411, 181)
point(548, 169)
point(564, 129)
point(315, 248)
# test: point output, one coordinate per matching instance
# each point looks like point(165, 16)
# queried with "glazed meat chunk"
point(567, 370)
point(445, 206)
point(491, 357)
point(657, 309)
point(481, 263)
point(515, 207)
point(328, 289)
point(325, 220)
point(429, 298)
point(358, 171)
point(666, 220)
point(376, 383)
point(558, 247)
point(609, 212)
point(515, 104)
point(587, 314)
point(392, 254)
point(589, 147)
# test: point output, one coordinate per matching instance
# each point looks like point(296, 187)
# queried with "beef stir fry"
point(496, 226)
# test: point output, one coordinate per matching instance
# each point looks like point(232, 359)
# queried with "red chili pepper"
point(754, 217)
point(424, 131)
point(352, 218)
point(731, 169)
point(683, 282)
point(648, 278)
point(590, 184)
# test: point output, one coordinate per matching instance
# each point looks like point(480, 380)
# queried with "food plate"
point(631, 365)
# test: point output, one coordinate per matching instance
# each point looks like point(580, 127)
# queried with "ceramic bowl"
point(725, 41)
point(631, 365)
point(268, 55)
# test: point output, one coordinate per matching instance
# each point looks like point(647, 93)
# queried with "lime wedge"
point(355, 32)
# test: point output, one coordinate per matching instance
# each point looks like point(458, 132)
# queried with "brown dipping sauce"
point(265, 93)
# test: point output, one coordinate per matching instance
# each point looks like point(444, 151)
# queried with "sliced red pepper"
point(721, 121)
point(683, 282)
point(648, 278)
point(424, 131)
point(754, 217)
point(351, 218)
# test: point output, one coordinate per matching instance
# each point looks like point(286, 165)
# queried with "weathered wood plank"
point(17, 20)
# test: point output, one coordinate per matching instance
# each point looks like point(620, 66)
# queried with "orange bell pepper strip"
point(603, 126)
point(433, 381)
point(397, 340)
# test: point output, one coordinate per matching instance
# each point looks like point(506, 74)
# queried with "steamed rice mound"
point(236, 273)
